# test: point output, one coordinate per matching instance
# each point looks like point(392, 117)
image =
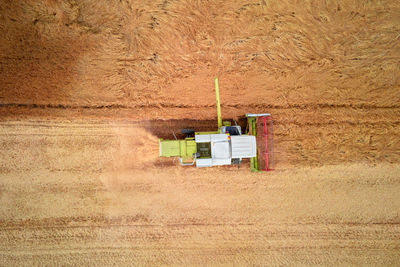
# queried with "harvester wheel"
point(188, 132)
point(237, 162)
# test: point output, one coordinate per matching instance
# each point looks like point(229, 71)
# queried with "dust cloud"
point(137, 150)
point(134, 150)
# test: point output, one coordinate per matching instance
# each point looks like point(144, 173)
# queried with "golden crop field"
point(88, 87)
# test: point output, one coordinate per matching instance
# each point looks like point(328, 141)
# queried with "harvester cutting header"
point(226, 146)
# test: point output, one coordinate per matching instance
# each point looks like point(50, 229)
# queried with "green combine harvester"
point(226, 146)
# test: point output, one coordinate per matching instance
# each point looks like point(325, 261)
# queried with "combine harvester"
point(227, 145)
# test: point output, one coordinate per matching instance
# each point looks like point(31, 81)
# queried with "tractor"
point(228, 145)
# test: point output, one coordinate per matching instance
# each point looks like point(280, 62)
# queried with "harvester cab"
point(226, 146)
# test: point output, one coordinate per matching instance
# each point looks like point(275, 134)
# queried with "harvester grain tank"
point(226, 146)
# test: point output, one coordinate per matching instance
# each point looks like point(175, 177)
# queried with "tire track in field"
point(255, 236)
point(183, 106)
point(141, 221)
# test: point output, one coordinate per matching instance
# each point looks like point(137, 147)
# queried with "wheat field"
point(88, 87)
